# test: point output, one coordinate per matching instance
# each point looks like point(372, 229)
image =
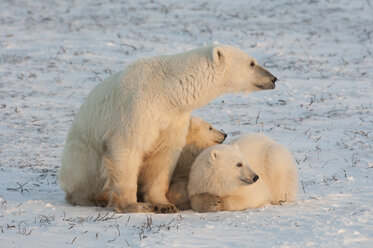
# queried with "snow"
point(52, 53)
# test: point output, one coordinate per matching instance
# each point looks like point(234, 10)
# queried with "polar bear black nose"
point(255, 178)
point(274, 79)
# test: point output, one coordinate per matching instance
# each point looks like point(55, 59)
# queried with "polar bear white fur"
point(216, 184)
point(201, 135)
point(137, 120)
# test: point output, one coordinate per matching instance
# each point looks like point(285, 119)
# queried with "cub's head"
point(242, 72)
point(219, 170)
point(202, 134)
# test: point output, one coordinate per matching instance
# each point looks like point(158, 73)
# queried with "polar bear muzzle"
point(266, 80)
point(248, 176)
point(221, 137)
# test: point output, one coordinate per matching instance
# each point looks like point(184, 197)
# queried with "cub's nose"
point(255, 178)
point(225, 136)
point(274, 80)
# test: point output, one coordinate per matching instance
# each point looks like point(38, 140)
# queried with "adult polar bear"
point(137, 121)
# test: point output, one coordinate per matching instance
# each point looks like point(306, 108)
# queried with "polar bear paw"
point(140, 207)
point(146, 207)
point(164, 208)
point(206, 202)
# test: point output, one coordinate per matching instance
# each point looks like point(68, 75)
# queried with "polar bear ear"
point(218, 55)
point(213, 155)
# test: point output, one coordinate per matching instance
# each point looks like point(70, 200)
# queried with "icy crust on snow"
point(52, 53)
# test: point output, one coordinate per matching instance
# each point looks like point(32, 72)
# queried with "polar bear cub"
point(222, 176)
point(201, 135)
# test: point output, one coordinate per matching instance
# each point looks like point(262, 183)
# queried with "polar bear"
point(201, 135)
point(142, 114)
point(221, 178)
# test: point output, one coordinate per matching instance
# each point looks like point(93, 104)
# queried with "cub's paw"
point(216, 204)
point(164, 208)
point(140, 207)
point(206, 202)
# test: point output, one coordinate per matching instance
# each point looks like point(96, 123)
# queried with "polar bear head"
point(203, 134)
point(192, 79)
point(241, 71)
point(219, 170)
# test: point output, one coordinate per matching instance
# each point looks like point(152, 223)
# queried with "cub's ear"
point(218, 55)
point(213, 155)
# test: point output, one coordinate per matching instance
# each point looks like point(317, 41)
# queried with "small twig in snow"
point(257, 118)
point(313, 99)
point(304, 191)
point(127, 243)
point(72, 242)
point(20, 187)
point(128, 45)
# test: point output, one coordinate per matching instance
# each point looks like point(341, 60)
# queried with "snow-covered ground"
point(52, 53)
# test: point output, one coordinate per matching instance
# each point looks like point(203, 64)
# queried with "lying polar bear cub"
point(221, 178)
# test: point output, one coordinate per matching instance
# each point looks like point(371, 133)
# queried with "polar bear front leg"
point(121, 165)
point(160, 164)
point(121, 168)
point(156, 174)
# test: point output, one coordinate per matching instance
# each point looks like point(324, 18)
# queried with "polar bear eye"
point(252, 64)
point(210, 128)
point(239, 164)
